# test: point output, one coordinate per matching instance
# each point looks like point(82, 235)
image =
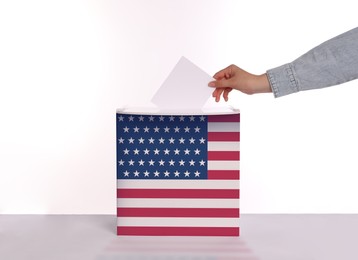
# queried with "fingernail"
point(211, 84)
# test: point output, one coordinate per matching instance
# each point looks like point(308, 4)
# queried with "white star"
point(197, 151)
point(171, 140)
point(151, 140)
point(166, 174)
point(181, 163)
point(166, 151)
point(121, 140)
point(126, 174)
point(176, 129)
point(192, 140)
point(146, 151)
point(197, 129)
point(176, 174)
point(136, 173)
point(146, 129)
point(126, 129)
point(202, 118)
point(176, 151)
point(141, 140)
point(187, 129)
point(151, 163)
point(141, 118)
point(197, 174)
point(126, 151)
point(136, 129)
point(141, 163)
point(121, 162)
point(156, 129)
point(136, 151)
point(161, 140)
point(121, 118)
point(192, 163)
point(156, 174)
point(146, 174)
point(161, 163)
point(131, 162)
point(202, 163)
point(192, 118)
point(156, 151)
point(171, 118)
point(166, 129)
point(181, 140)
point(161, 118)
point(171, 163)
point(151, 118)
point(187, 151)
point(187, 174)
point(131, 140)
point(182, 118)
point(202, 140)
point(131, 118)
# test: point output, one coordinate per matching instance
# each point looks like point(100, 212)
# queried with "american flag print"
point(178, 175)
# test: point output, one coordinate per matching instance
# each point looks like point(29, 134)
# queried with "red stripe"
point(223, 175)
point(178, 212)
point(177, 193)
point(223, 136)
point(178, 231)
point(224, 118)
point(223, 155)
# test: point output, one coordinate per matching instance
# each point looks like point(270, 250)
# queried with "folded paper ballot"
point(185, 87)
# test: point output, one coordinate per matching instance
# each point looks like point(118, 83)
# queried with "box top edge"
point(156, 111)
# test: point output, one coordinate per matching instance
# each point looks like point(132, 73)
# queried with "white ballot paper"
point(185, 88)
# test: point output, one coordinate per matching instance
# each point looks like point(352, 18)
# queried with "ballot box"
point(178, 174)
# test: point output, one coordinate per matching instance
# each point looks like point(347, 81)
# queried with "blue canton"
point(161, 147)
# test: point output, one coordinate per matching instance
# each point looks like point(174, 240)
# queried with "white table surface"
point(266, 237)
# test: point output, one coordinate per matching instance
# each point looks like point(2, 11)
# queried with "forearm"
point(331, 63)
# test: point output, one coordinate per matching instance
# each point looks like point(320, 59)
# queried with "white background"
point(65, 66)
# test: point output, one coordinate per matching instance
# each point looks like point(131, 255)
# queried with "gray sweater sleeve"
point(330, 63)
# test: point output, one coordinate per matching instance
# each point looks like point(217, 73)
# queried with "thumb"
point(223, 83)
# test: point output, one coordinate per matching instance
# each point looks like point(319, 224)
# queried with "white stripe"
point(177, 222)
point(223, 127)
point(223, 146)
point(223, 165)
point(178, 203)
point(178, 184)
